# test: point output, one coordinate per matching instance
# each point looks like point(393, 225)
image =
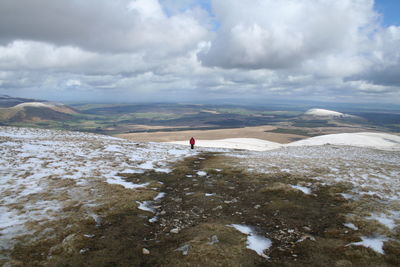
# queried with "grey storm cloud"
point(99, 25)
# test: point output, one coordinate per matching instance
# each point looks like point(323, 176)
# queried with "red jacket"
point(192, 141)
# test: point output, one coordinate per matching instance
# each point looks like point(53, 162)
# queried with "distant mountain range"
point(14, 109)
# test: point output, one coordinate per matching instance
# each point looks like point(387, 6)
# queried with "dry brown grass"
point(264, 201)
point(246, 132)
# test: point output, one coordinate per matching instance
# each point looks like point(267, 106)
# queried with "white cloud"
point(384, 58)
point(117, 26)
point(72, 83)
point(35, 55)
point(147, 9)
point(282, 34)
point(164, 49)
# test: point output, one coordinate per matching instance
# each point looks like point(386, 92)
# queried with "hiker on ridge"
point(192, 142)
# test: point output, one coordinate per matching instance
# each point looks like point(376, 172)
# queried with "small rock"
point(174, 231)
point(257, 206)
point(89, 235)
point(184, 249)
point(306, 237)
point(83, 251)
point(218, 208)
point(163, 212)
point(145, 251)
point(214, 240)
point(68, 244)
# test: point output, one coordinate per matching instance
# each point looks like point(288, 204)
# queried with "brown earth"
point(246, 132)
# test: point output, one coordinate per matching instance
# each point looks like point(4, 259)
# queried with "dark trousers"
point(191, 146)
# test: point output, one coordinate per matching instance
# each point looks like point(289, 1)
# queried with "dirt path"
point(189, 225)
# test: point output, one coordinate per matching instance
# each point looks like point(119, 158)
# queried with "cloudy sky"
point(201, 50)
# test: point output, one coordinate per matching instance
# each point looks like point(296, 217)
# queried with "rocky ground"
point(292, 207)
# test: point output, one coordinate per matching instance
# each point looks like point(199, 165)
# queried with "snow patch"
point(254, 242)
point(374, 243)
point(319, 112)
point(159, 196)
point(201, 173)
point(236, 143)
point(351, 226)
point(146, 206)
point(148, 165)
point(303, 189)
point(383, 219)
point(127, 185)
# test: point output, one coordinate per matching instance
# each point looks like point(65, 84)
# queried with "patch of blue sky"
point(172, 7)
point(390, 11)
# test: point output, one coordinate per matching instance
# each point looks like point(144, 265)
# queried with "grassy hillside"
point(132, 118)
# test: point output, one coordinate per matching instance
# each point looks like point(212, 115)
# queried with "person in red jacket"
point(192, 142)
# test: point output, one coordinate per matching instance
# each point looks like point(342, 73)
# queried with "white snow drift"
point(363, 139)
point(235, 143)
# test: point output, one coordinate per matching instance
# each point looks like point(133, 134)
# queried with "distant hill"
point(9, 101)
point(317, 117)
point(31, 110)
point(318, 112)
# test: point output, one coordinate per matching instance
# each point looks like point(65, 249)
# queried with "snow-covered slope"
point(35, 163)
point(37, 111)
point(34, 104)
point(318, 112)
point(372, 177)
point(44, 174)
point(236, 143)
point(363, 139)
point(56, 107)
